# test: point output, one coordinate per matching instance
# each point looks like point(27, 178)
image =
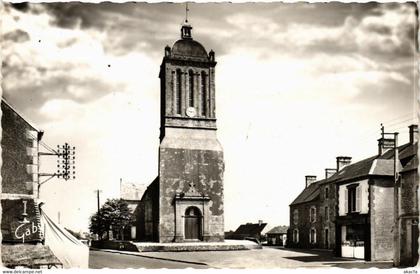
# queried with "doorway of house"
point(192, 224)
point(327, 243)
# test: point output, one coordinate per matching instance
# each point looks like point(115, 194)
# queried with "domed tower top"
point(187, 76)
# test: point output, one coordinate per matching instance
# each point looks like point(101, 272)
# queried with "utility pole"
point(65, 164)
point(97, 195)
point(99, 219)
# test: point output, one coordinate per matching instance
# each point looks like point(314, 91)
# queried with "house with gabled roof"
point(249, 230)
point(312, 213)
point(304, 223)
point(277, 235)
point(366, 218)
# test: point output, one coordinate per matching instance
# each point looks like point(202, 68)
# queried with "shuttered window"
point(353, 195)
point(346, 201)
point(312, 214)
point(358, 198)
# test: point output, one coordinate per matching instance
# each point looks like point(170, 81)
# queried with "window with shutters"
point(353, 198)
point(326, 192)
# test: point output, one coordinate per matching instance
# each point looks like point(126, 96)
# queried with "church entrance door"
point(192, 224)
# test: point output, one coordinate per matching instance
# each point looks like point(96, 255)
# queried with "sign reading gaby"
point(27, 230)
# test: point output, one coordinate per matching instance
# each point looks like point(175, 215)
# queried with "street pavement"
point(101, 259)
point(266, 258)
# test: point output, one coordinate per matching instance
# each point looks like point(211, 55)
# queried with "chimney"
point(329, 172)
point(260, 222)
point(343, 161)
point(380, 149)
point(309, 179)
point(414, 134)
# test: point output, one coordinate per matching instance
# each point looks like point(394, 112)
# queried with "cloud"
point(285, 71)
point(65, 64)
point(17, 36)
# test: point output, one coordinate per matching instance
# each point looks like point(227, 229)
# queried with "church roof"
point(188, 47)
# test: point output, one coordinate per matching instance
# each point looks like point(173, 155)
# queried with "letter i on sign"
point(24, 214)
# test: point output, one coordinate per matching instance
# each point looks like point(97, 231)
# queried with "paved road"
point(101, 259)
point(266, 258)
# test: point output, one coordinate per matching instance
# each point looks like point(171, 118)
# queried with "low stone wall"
point(114, 245)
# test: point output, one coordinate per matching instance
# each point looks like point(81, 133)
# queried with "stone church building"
point(185, 201)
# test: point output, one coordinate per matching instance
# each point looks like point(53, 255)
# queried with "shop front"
point(353, 234)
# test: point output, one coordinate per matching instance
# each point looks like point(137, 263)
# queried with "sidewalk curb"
point(132, 253)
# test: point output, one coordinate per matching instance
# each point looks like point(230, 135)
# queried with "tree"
point(114, 214)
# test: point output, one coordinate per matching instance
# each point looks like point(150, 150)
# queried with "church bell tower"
point(191, 162)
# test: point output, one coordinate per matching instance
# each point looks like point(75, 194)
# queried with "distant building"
point(131, 193)
point(185, 202)
point(248, 231)
point(277, 235)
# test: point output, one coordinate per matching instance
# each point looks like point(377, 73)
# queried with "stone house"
point(365, 223)
point(304, 225)
point(22, 234)
point(312, 213)
point(131, 193)
point(185, 201)
point(406, 198)
point(328, 202)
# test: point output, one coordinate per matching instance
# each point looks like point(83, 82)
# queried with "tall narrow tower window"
point(178, 91)
point(191, 89)
point(203, 93)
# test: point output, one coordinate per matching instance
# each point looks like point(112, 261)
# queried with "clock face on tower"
point(190, 112)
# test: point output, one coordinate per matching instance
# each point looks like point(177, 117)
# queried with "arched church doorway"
point(192, 223)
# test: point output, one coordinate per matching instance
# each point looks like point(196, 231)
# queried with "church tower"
point(191, 162)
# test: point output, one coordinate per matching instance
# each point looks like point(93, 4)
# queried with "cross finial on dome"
point(186, 12)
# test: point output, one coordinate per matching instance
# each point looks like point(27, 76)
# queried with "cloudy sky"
point(296, 86)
